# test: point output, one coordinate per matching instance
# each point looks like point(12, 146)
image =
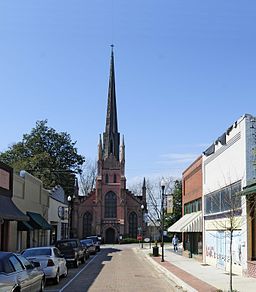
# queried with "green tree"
point(48, 155)
point(177, 204)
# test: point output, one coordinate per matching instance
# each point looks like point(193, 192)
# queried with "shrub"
point(129, 240)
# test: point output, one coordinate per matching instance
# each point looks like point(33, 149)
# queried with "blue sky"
point(185, 71)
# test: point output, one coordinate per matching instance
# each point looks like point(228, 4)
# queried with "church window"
point(114, 178)
point(133, 225)
point(111, 147)
point(110, 205)
point(106, 178)
point(87, 224)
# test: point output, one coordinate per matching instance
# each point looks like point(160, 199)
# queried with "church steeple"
point(111, 137)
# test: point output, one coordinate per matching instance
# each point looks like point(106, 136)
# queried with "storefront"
point(190, 225)
point(8, 210)
point(250, 193)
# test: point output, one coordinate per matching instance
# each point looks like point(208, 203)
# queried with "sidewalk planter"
point(155, 251)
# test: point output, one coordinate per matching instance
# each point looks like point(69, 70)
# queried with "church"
point(110, 210)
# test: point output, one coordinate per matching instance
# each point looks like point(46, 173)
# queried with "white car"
point(51, 261)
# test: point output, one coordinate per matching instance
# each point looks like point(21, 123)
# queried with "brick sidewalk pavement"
point(192, 275)
point(191, 280)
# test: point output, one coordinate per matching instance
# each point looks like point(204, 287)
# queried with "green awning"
point(9, 211)
point(24, 226)
point(249, 190)
point(37, 221)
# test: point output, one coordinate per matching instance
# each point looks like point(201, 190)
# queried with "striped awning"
point(192, 222)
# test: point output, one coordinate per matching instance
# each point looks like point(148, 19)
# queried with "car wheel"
point(42, 285)
point(66, 273)
point(76, 263)
point(83, 259)
point(57, 278)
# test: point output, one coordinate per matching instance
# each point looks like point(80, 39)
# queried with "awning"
point(249, 190)
point(9, 211)
point(192, 222)
point(24, 226)
point(37, 221)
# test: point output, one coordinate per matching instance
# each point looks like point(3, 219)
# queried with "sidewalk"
point(194, 276)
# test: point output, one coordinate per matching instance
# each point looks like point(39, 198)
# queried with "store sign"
point(4, 179)
point(63, 212)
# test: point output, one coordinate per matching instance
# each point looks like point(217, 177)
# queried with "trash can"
point(155, 251)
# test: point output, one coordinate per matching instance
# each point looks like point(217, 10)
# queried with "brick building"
point(192, 207)
point(110, 210)
point(191, 222)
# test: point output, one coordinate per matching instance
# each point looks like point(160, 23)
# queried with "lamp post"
point(142, 215)
point(162, 213)
point(69, 216)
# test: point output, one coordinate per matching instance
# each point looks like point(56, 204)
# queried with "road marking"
point(70, 281)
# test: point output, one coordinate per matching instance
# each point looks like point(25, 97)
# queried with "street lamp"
point(142, 215)
point(162, 213)
point(69, 216)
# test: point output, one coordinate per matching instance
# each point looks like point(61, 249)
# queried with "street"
point(114, 268)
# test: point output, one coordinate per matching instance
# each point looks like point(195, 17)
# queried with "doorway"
point(110, 235)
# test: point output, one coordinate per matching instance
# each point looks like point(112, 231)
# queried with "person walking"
point(175, 242)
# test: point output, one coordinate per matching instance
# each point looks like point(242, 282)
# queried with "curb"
point(167, 273)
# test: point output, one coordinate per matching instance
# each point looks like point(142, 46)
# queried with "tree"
point(229, 202)
point(154, 196)
point(176, 214)
point(88, 177)
point(48, 155)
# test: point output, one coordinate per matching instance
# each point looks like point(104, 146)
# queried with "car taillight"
point(50, 263)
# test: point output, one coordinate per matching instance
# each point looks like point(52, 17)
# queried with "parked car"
point(72, 250)
point(86, 250)
point(96, 241)
point(17, 274)
point(91, 247)
point(52, 262)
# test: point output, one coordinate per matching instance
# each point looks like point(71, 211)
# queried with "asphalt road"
point(114, 268)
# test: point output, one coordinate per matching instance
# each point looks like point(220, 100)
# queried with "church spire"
point(111, 121)
point(111, 137)
point(100, 149)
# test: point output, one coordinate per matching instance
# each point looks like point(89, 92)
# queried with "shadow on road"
point(91, 270)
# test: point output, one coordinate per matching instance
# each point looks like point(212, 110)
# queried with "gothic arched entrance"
point(110, 235)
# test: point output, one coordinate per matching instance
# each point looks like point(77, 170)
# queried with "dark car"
point(96, 241)
point(72, 250)
point(91, 247)
point(17, 274)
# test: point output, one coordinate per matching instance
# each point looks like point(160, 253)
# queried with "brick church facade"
point(110, 210)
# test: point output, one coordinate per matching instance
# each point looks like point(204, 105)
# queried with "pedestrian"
point(175, 242)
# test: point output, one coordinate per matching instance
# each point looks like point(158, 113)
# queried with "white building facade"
point(228, 167)
point(58, 214)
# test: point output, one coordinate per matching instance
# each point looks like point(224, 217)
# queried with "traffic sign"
point(139, 237)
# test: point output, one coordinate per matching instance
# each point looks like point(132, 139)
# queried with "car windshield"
point(94, 238)
point(67, 244)
point(37, 252)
